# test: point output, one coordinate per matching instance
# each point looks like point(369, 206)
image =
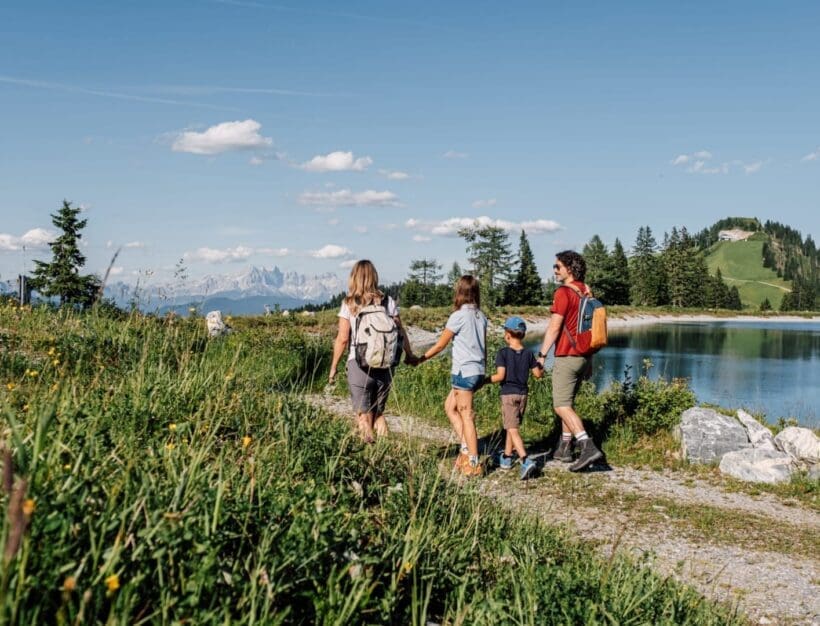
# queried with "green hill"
point(741, 263)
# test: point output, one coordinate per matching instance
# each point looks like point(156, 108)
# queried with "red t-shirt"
point(565, 302)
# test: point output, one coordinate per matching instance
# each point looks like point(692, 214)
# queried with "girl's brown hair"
point(467, 292)
point(362, 286)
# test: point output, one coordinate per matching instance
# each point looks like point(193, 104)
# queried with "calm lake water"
point(767, 367)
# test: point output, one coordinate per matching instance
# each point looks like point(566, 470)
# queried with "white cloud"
point(115, 270)
point(346, 197)
point(134, 244)
point(34, 239)
point(360, 229)
point(450, 227)
point(330, 251)
point(255, 161)
point(212, 255)
point(454, 154)
point(348, 264)
point(699, 163)
point(337, 162)
point(223, 137)
point(422, 238)
point(485, 204)
point(394, 174)
point(274, 251)
point(752, 168)
point(812, 156)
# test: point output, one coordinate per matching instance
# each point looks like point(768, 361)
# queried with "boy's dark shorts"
point(512, 410)
point(368, 390)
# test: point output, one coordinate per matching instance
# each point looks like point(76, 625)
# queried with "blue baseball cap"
point(516, 324)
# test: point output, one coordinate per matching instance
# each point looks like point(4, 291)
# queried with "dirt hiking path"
point(756, 552)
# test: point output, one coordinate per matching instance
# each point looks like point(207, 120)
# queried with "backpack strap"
point(580, 295)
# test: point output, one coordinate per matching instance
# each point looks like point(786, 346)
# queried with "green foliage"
point(741, 267)
point(525, 287)
point(488, 251)
point(646, 270)
point(607, 273)
point(61, 277)
point(172, 481)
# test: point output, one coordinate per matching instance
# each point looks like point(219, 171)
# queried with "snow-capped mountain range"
point(288, 289)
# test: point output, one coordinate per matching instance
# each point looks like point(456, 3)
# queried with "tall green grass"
point(173, 479)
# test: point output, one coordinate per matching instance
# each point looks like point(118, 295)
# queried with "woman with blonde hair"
point(369, 386)
point(467, 329)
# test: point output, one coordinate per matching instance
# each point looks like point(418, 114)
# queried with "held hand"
point(331, 379)
point(411, 359)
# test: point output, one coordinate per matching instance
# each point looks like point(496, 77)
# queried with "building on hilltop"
point(734, 234)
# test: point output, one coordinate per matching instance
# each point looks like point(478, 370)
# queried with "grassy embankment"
point(741, 264)
point(166, 478)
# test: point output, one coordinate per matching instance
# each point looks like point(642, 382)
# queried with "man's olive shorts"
point(568, 372)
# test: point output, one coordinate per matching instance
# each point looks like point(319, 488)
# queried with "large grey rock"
point(758, 465)
point(759, 436)
point(216, 326)
point(707, 435)
point(801, 443)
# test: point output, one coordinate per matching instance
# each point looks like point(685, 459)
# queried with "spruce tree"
point(525, 287)
point(488, 250)
point(61, 277)
point(646, 271)
point(425, 273)
point(619, 264)
point(733, 301)
point(598, 268)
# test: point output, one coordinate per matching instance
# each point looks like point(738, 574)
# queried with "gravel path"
point(769, 587)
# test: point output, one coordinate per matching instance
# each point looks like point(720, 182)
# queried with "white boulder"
point(758, 465)
point(707, 435)
point(801, 443)
point(216, 327)
point(759, 436)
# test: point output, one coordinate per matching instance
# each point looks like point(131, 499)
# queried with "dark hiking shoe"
point(589, 454)
point(564, 452)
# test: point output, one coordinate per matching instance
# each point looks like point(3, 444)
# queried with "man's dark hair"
point(574, 262)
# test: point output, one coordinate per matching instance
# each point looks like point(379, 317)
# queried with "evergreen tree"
point(454, 274)
point(733, 303)
point(488, 250)
point(598, 268)
point(425, 273)
point(765, 305)
point(619, 268)
point(61, 277)
point(646, 271)
point(525, 286)
point(717, 292)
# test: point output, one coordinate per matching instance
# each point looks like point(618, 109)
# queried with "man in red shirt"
point(571, 368)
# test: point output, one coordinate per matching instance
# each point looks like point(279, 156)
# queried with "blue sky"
point(306, 135)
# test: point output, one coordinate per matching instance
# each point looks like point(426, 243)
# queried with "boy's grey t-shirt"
point(469, 325)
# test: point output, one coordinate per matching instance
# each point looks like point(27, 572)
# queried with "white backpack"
point(376, 338)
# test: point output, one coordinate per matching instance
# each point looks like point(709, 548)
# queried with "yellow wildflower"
point(113, 583)
point(67, 467)
point(55, 362)
point(25, 407)
point(29, 506)
point(10, 386)
point(70, 583)
point(32, 373)
point(408, 567)
point(246, 441)
point(52, 351)
point(172, 427)
point(170, 445)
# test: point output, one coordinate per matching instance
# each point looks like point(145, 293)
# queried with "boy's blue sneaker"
point(528, 468)
point(504, 462)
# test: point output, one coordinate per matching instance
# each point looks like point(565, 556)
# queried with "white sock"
point(464, 449)
point(582, 436)
point(566, 436)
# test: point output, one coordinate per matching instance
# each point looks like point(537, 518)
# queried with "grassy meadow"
point(741, 263)
point(154, 476)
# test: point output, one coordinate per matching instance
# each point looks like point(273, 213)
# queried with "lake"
point(764, 367)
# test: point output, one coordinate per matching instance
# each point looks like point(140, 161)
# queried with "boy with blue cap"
point(513, 366)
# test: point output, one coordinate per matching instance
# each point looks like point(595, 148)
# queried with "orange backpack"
point(590, 335)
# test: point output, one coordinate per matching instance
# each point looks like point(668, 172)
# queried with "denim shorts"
point(465, 383)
